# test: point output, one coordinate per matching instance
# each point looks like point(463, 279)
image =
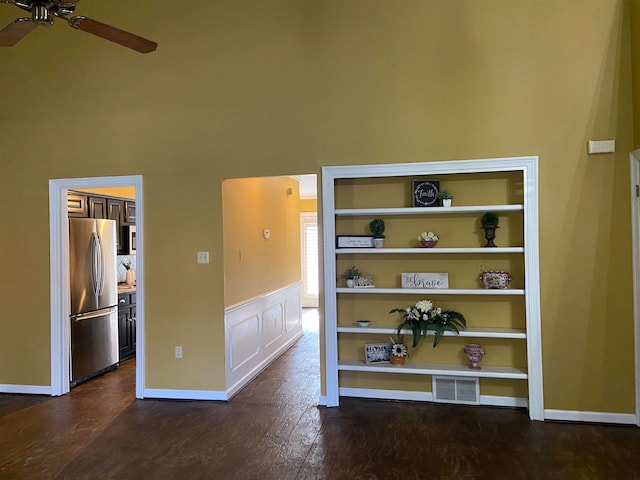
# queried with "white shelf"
point(477, 332)
point(433, 291)
point(435, 250)
point(434, 369)
point(427, 210)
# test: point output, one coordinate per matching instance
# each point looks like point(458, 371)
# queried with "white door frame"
point(635, 235)
point(59, 269)
point(307, 218)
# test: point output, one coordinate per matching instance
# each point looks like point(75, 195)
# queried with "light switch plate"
point(266, 233)
point(203, 257)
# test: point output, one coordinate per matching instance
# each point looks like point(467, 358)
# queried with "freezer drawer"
point(94, 343)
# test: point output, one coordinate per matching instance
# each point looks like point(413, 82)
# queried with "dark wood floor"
point(274, 430)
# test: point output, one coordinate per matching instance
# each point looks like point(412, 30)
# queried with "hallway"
point(273, 430)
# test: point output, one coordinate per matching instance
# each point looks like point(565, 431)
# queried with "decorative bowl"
point(363, 323)
point(495, 279)
point(428, 243)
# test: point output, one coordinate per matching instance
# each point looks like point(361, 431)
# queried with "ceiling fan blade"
point(16, 31)
point(113, 34)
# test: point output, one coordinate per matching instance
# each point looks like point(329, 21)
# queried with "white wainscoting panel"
point(245, 341)
point(272, 326)
point(258, 331)
point(292, 309)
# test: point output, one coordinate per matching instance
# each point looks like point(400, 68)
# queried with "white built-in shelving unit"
point(528, 210)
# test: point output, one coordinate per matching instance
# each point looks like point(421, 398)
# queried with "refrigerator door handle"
point(97, 264)
point(101, 265)
point(97, 313)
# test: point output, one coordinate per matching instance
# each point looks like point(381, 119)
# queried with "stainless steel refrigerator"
point(94, 297)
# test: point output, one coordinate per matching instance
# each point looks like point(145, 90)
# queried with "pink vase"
point(428, 243)
point(474, 353)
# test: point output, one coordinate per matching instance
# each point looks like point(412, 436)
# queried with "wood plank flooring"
point(274, 430)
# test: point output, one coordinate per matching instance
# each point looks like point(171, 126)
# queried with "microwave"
point(132, 243)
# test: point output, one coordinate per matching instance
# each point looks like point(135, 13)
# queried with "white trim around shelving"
point(528, 167)
point(635, 236)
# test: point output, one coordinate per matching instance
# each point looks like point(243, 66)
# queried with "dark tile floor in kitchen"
point(273, 430)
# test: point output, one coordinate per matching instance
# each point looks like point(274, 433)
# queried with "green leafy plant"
point(377, 227)
point(350, 273)
point(489, 219)
point(424, 317)
point(445, 195)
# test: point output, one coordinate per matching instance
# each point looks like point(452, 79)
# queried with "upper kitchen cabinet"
point(77, 205)
point(97, 207)
point(122, 211)
point(129, 212)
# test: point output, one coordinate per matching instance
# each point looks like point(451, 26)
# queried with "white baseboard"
point(385, 394)
point(496, 401)
point(26, 389)
point(322, 401)
point(185, 394)
point(595, 417)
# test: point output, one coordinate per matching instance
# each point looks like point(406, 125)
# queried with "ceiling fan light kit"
point(43, 12)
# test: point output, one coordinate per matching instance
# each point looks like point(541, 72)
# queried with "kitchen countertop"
point(126, 288)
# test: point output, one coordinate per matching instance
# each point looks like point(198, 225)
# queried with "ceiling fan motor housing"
point(41, 15)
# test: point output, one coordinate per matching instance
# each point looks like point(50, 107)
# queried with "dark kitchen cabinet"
point(115, 211)
point(121, 210)
point(77, 205)
point(129, 212)
point(126, 325)
point(97, 207)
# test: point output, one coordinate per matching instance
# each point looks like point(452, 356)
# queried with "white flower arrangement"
point(424, 317)
point(428, 237)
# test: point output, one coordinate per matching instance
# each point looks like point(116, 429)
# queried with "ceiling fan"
point(42, 13)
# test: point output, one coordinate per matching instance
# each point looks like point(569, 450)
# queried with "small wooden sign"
point(425, 193)
point(377, 353)
point(425, 280)
point(354, 241)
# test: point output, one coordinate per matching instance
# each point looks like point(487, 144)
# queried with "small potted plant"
point(489, 222)
point(428, 239)
point(377, 230)
point(350, 274)
point(424, 317)
point(399, 351)
point(445, 196)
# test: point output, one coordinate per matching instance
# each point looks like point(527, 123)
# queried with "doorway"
point(59, 272)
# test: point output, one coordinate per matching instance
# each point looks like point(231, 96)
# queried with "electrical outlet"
point(203, 257)
point(178, 351)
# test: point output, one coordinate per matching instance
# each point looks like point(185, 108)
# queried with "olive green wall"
point(275, 87)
